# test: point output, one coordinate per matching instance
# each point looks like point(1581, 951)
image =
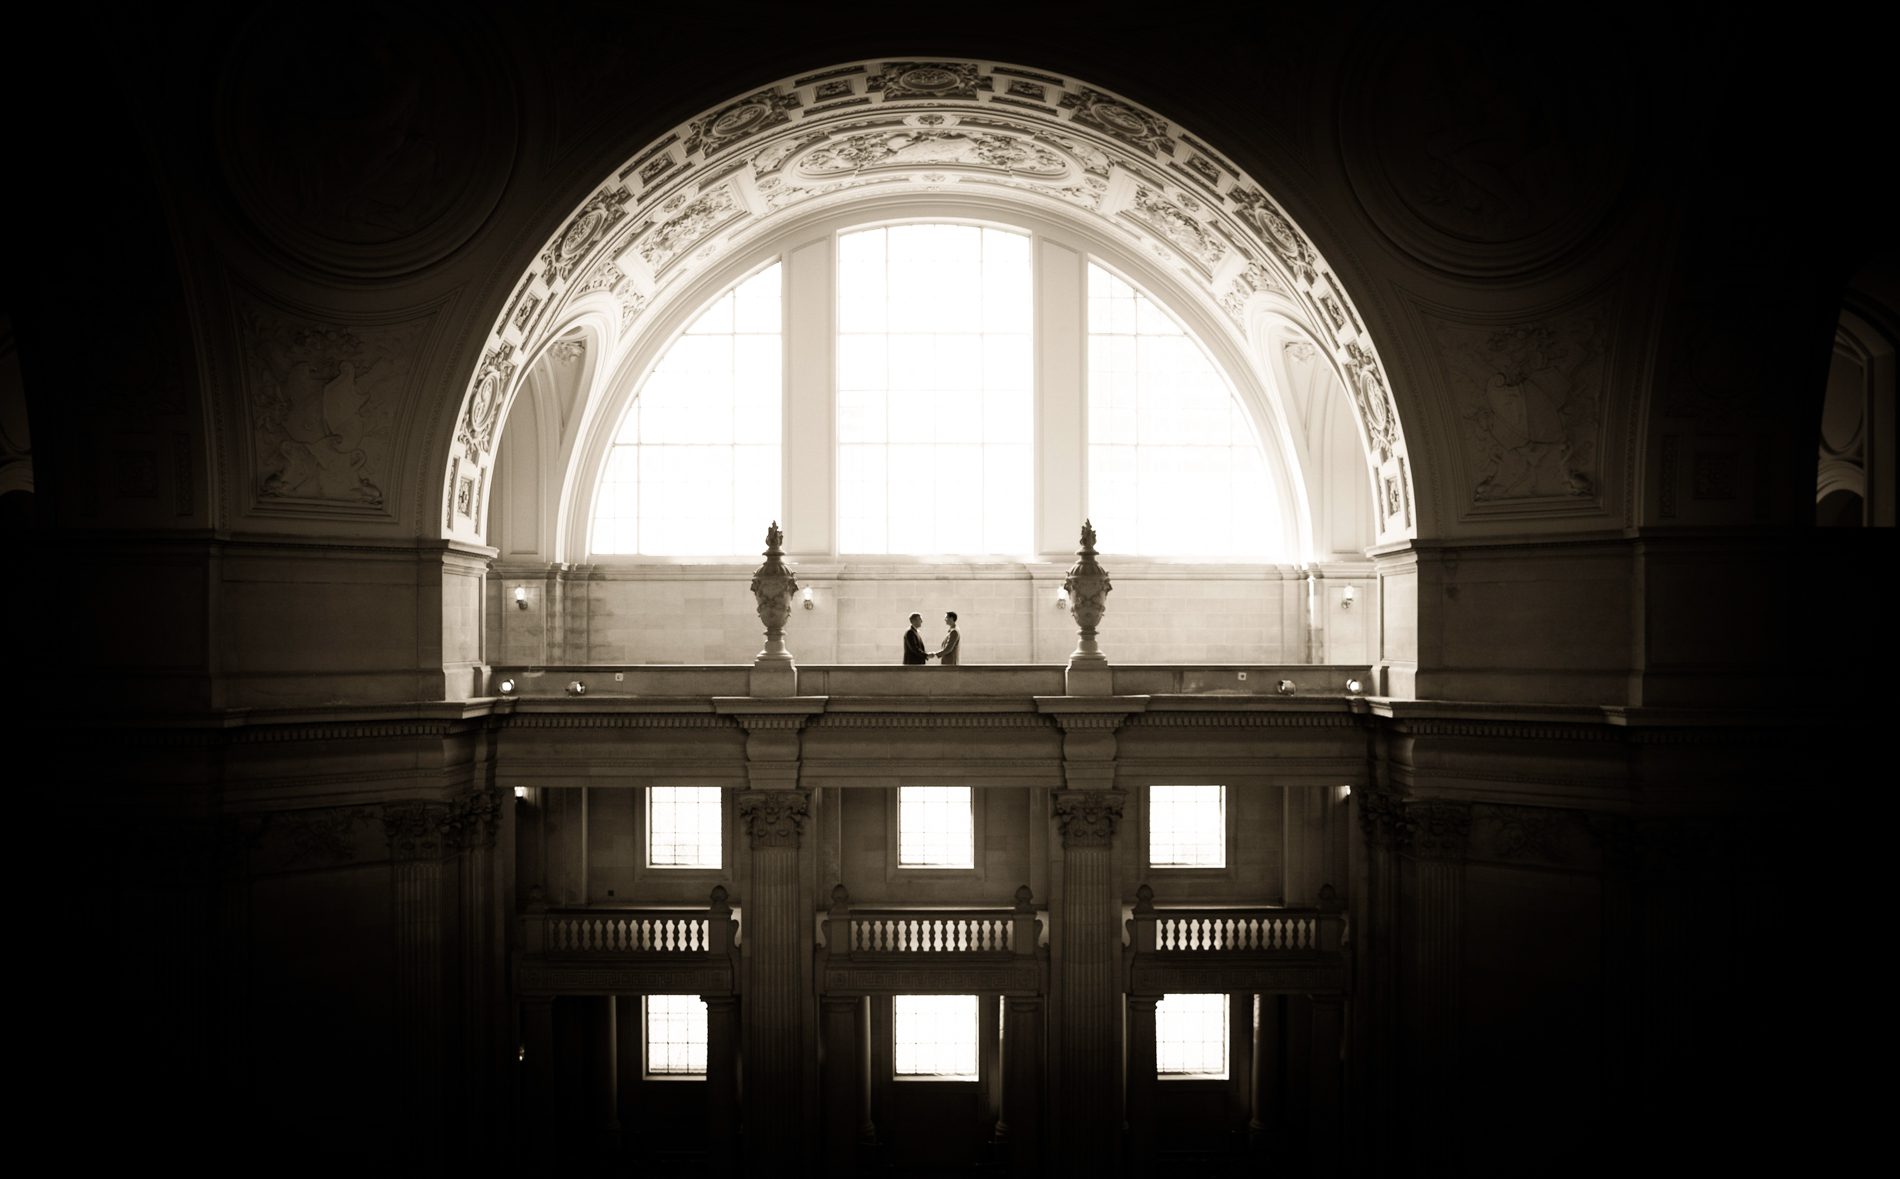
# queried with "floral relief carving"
point(1259, 213)
point(1089, 818)
point(739, 120)
point(928, 79)
point(1528, 394)
point(910, 147)
point(492, 383)
point(1176, 225)
point(1135, 127)
point(1369, 395)
point(585, 230)
point(693, 222)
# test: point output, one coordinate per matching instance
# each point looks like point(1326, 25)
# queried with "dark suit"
point(914, 649)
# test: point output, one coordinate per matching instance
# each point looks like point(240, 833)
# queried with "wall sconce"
point(521, 597)
point(1354, 687)
point(1286, 687)
point(521, 793)
point(808, 601)
point(1346, 598)
point(1062, 597)
point(576, 688)
point(507, 686)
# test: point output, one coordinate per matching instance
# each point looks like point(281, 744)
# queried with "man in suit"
point(947, 654)
point(914, 650)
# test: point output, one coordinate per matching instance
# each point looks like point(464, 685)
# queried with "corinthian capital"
point(775, 817)
point(1089, 817)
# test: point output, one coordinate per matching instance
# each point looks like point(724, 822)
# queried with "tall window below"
point(1174, 466)
point(1191, 1037)
point(933, 1037)
point(935, 827)
point(936, 388)
point(1187, 826)
point(694, 469)
point(683, 827)
point(675, 1035)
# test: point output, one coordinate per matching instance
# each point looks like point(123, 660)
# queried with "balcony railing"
point(631, 933)
point(913, 932)
point(1216, 930)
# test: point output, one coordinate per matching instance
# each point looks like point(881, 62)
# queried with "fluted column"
point(1090, 1018)
point(1385, 832)
point(1141, 1082)
point(775, 993)
point(1439, 832)
point(1022, 1091)
point(417, 832)
point(473, 825)
point(841, 1083)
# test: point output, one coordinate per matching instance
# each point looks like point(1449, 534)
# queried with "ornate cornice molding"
point(775, 818)
point(1249, 720)
point(968, 720)
point(627, 720)
point(1089, 818)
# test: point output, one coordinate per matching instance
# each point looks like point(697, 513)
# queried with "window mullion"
point(810, 478)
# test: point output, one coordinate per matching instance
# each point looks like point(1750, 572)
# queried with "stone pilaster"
point(1385, 833)
point(1090, 1016)
point(417, 836)
point(779, 932)
point(1439, 834)
point(840, 1019)
point(722, 1083)
point(473, 824)
point(1023, 1089)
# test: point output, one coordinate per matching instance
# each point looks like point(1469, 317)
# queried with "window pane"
point(675, 1036)
point(935, 828)
point(936, 386)
point(934, 1036)
point(694, 470)
point(1187, 826)
point(1191, 1036)
point(683, 827)
point(1193, 478)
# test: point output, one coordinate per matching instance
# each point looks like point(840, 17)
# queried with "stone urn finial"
point(1087, 586)
point(773, 586)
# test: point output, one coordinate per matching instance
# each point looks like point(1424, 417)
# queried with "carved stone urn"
point(1087, 586)
point(773, 586)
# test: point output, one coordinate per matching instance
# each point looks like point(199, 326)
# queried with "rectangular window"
point(936, 827)
point(1191, 1037)
point(675, 1035)
point(934, 1037)
point(1187, 826)
point(683, 827)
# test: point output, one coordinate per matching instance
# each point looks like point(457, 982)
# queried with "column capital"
point(415, 830)
point(1440, 830)
point(1089, 817)
point(776, 818)
point(474, 819)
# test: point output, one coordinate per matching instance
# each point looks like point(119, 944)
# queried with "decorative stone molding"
point(1383, 820)
point(474, 820)
point(1089, 818)
point(415, 830)
point(775, 818)
point(1536, 835)
point(1019, 135)
point(324, 837)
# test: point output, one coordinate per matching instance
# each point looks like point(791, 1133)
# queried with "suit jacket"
point(914, 649)
point(947, 654)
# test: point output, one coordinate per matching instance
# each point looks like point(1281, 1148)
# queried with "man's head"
point(950, 618)
point(916, 620)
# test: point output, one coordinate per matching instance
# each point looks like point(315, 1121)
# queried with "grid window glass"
point(935, 827)
point(934, 1036)
point(1175, 468)
point(694, 467)
point(683, 827)
point(1187, 826)
point(1191, 1036)
point(936, 393)
point(675, 1036)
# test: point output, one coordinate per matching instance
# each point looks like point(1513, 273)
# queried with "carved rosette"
point(1088, 818)
point(775, 818)
point(773, 586)
point(1087, 585)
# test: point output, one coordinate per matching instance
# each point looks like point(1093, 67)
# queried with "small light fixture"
point(1354, 687)
point(808, 601)
point(1286, 687)
point(1062, 597)
point(1346, 598)
point(521, 597)
point(576, 688)
point(521, 793)
point(507, 686)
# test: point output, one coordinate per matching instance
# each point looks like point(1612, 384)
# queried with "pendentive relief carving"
point(325, 400)
point(1530, 396)
point(775, 818)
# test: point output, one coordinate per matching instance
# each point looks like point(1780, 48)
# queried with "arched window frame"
point(1062, 248)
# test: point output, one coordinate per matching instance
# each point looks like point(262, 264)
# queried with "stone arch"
point(875, 127)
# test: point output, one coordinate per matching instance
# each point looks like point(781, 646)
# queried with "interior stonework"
point(1546, 751)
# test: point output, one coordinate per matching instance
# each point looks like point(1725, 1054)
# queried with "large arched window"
point(941, 388)
point(695, 463)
